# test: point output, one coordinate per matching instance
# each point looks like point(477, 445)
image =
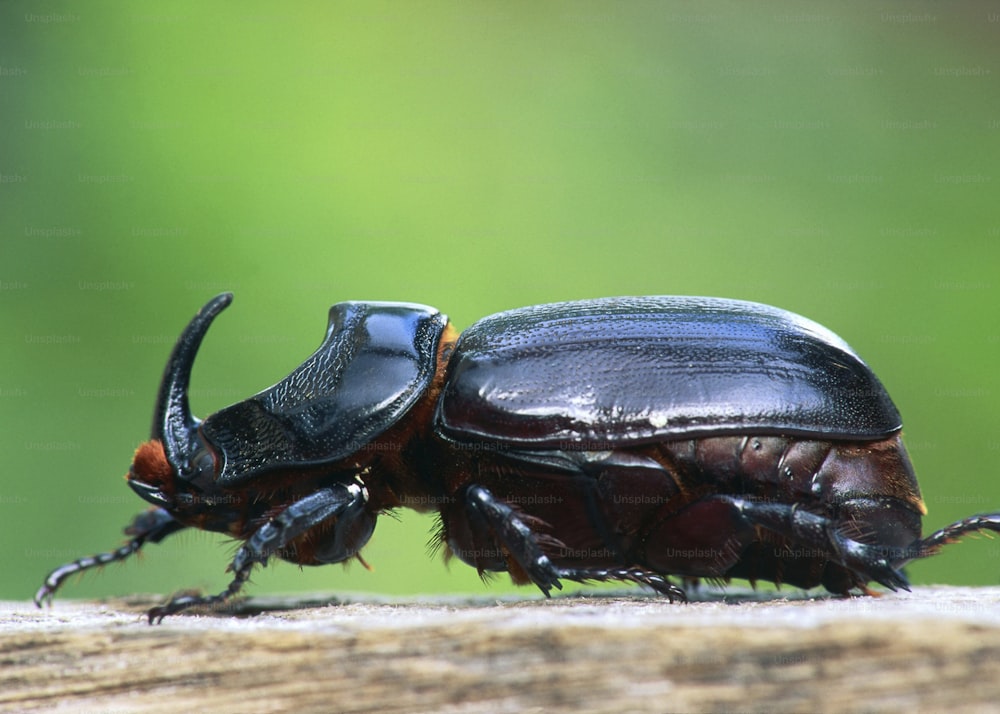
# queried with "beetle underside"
point(770, 508)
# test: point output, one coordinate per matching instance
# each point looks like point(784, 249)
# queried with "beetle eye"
point(200, 467)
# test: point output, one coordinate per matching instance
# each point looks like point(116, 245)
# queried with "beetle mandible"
point(630, 439)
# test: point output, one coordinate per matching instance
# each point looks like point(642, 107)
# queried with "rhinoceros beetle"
point(626, 439)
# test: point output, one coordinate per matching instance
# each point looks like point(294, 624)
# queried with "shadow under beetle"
point(615, 439)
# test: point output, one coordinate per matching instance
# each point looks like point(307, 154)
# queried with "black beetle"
point(615, 439)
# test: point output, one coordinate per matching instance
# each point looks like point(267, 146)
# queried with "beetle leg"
point(657, 582)
point(949, 534)
point(596, 476)
point(342, 501)
point(522, 543)
point(806, 529)
point(516, 536)
point(150, 526)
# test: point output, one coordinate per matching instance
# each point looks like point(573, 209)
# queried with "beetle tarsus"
point(657, 582)
point(183, 602)
point(150, 526)
point(982, 523)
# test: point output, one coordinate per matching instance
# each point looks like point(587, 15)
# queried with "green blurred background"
point(835, 159)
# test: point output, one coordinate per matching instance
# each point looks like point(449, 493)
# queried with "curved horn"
point(173, 423)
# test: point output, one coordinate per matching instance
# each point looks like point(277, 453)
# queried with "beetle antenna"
point(173, 423)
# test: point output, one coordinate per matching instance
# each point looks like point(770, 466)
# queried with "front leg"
point(150, 526)
point(342, 502)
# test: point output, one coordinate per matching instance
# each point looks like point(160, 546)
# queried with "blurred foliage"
point(835, 159)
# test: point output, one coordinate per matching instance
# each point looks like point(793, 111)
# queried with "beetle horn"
point(173, 423)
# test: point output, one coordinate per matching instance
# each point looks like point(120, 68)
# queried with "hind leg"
point(950, 534)
point(824, 535)
point(710, 538)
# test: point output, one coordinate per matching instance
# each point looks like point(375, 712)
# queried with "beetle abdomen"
point(638, 370)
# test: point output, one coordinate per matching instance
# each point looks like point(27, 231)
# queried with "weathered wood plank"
point(930, 650)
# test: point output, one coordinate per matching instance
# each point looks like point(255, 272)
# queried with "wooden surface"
point(933, 650)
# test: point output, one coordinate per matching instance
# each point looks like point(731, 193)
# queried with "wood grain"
point(934, 649)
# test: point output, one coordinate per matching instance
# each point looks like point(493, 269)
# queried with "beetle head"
point(175, 469)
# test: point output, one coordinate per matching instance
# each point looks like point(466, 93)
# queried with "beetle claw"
point(544, 575)
point(871, 563)
point(891, 578)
